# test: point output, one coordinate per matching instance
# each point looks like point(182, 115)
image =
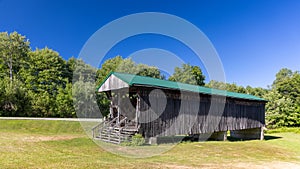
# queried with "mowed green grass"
point(62, 144)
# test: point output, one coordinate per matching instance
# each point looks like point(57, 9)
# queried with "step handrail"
point(124, 119)
point(101, 125)
point(120, 128)
point(113, 120)
point(97, 127)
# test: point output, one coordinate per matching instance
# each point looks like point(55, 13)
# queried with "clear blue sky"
point(254, 38)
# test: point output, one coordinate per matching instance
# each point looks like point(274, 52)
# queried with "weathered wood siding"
point(192, 113)
point(112, 83)
point(127, 105)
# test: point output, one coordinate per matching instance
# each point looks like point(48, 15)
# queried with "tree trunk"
point(10, 70)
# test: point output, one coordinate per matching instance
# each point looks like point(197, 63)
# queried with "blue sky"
point(254, 38)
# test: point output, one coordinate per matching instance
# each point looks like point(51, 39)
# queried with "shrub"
point(137, 140)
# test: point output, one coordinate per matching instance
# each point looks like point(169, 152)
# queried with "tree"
point(282, 75)
point(64, 102)
point(79, 70)
point(45, 74)
point(283, 108)
point(257, 91)
point(129, 66)
point(70, 66)
point(108, 66)
point(118, 64)
point(46, 71)
point(83, 89)
point(290, 87)
point(232, 87)
point(85, 99)
point(280, 111)
point(43, 104)
point(14, 98)
point(13, 51)
point(188, 74)
point(216, 85)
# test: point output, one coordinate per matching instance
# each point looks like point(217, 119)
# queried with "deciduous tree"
point(13, 51)
point(188, 74)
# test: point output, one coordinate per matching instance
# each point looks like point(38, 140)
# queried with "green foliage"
point(85, 99)
point(284, 130)
point(14, 98)
point(188, 74)
point(258, 91)
point(282, 75)
point(45, 73)
point(290, 87)
point(108, 66)
point(137, 140)
point(126, 143)
point(118, 64)
point(129, 66)
point(81, 71)
point(281, 111)
point(103, 103)
point(283, 108)
point(217, 85)
point(64, 102)
point(13, 51)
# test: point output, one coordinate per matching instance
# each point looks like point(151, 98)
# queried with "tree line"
point(40, 83)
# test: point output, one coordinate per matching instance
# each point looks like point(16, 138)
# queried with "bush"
point(126, 143)
point(137, 140)
point(284, 130)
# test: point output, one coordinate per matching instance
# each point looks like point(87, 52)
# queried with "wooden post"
point(119, 102)
point(137, 110)
point(262, 133)
point(111, 111)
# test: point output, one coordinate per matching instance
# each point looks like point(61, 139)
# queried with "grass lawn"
point(61, 144)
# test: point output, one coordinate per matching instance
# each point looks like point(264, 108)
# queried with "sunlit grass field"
point(63, 144)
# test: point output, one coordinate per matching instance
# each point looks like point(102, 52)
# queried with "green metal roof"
point(134, 80)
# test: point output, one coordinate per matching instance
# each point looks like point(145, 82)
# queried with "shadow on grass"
point(266, 137)
point(177, 139)
point(187, 139)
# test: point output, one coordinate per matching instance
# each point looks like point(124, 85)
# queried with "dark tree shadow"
point(268, 137)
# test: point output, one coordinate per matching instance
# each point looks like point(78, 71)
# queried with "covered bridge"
point(155, 107)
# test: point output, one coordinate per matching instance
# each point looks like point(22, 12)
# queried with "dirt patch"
point(46, 138)
point(177, 166)
point(240, 165)
point(280, 165)
point(265, 165)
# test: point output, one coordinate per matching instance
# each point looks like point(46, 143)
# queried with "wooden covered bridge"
point(154, 108)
